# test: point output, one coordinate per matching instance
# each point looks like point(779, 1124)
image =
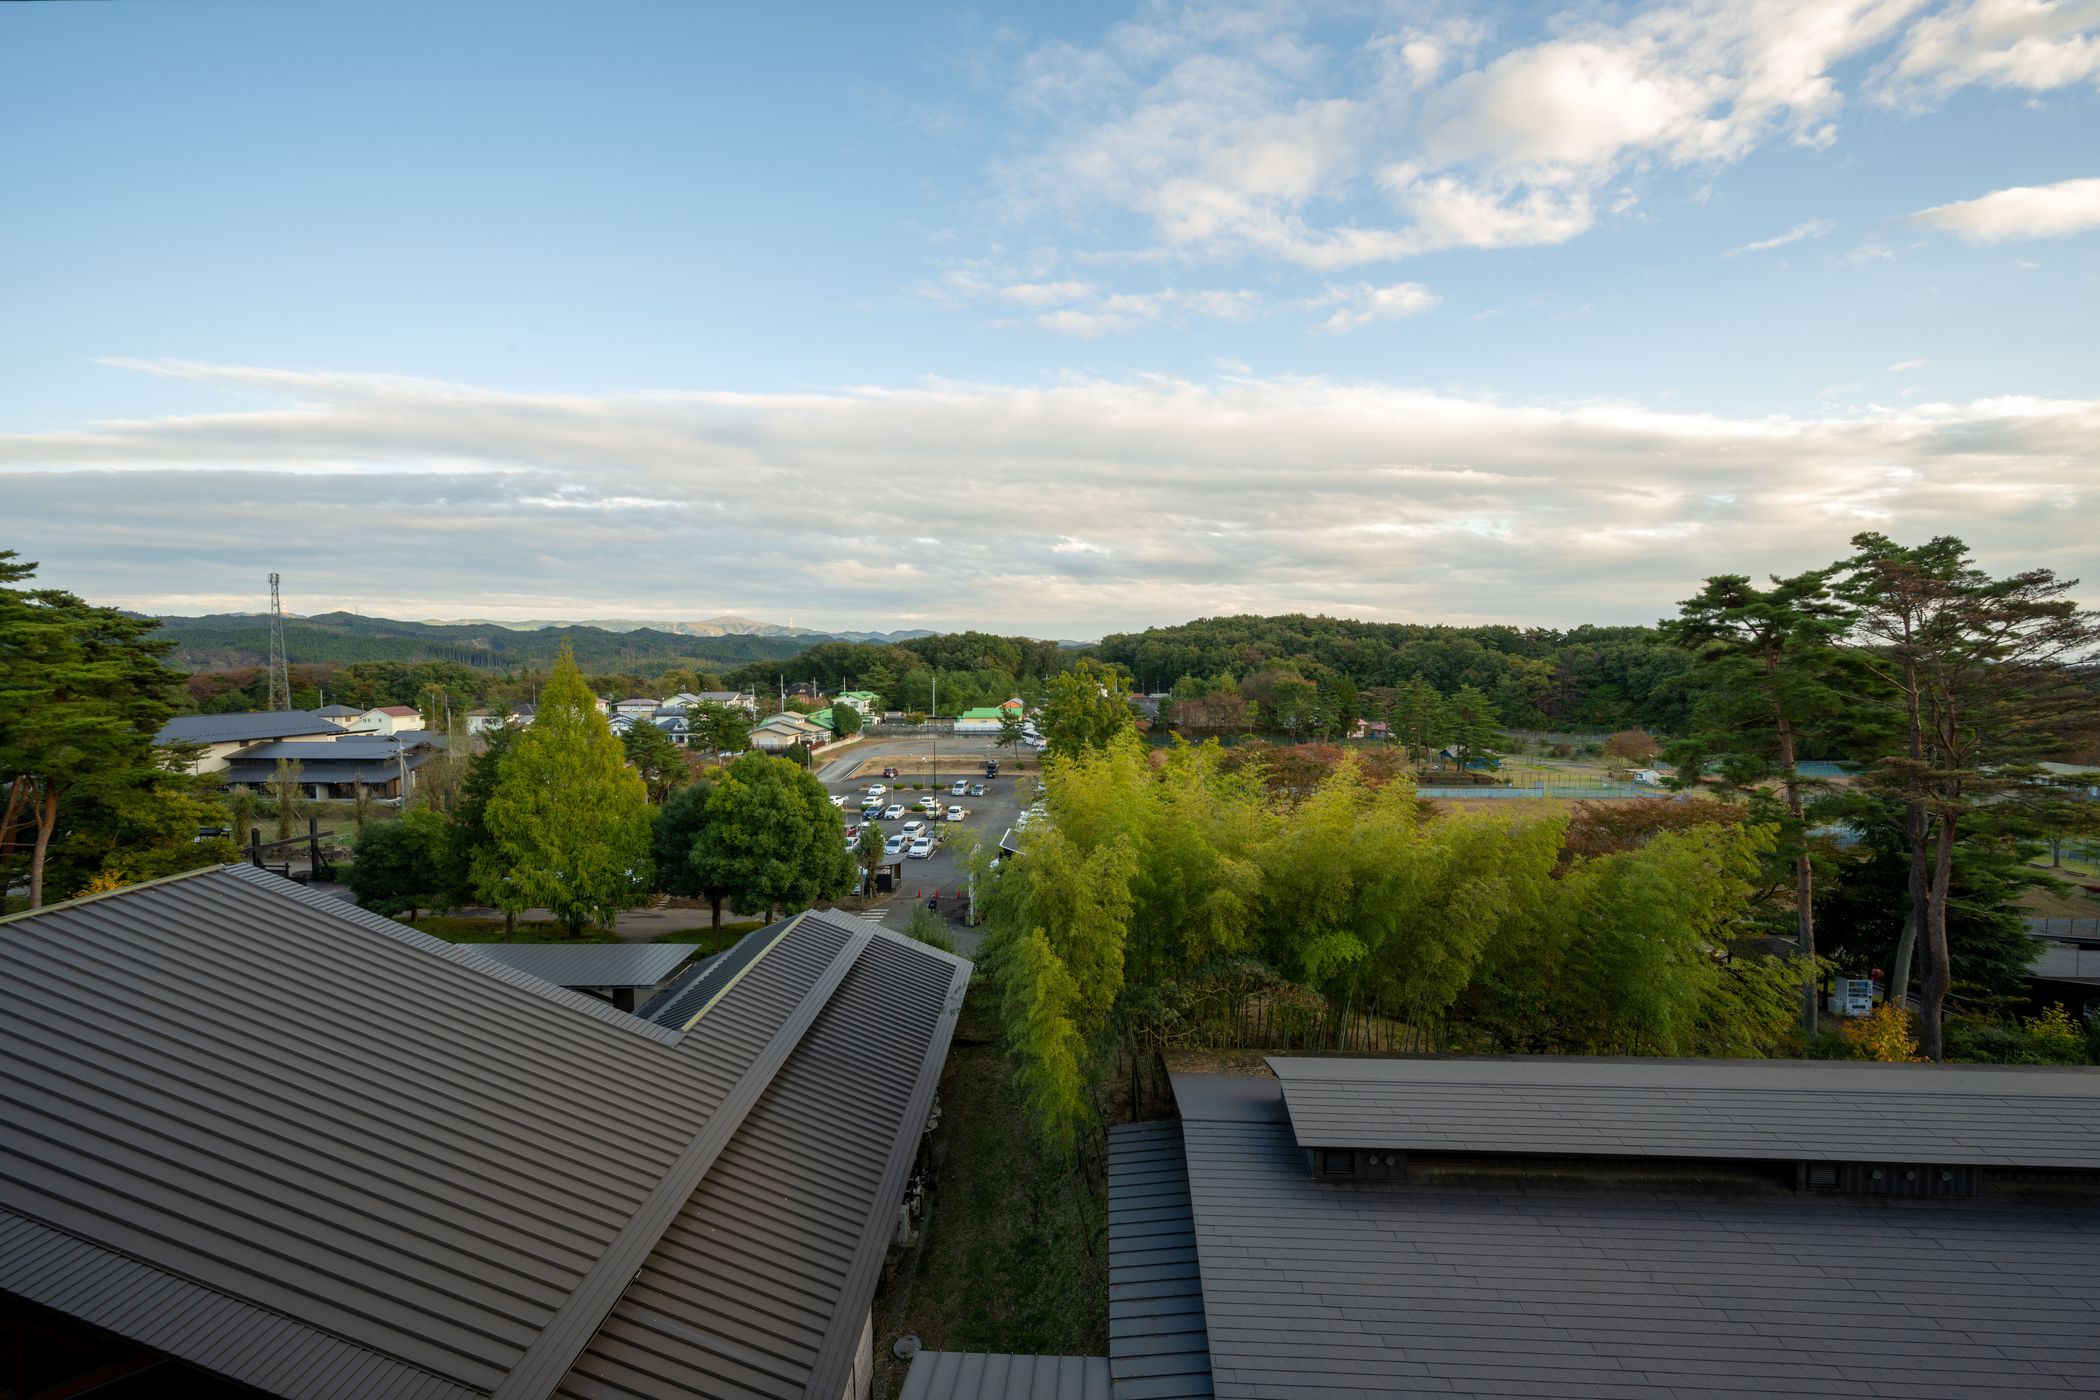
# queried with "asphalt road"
point(989, 816)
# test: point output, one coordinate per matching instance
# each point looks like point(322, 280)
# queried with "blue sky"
point(1062, 321)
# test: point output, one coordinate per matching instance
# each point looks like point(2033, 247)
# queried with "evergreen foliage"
point(569, 818)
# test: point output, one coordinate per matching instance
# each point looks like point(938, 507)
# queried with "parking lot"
point(988, 816)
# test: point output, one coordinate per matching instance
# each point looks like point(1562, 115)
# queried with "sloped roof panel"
point(761, 1285)
point(1783, 1110)
point(1157, 1346)
point(591, 964)
point(1502, 1287)
point(973, 1375)
point(384, 1139)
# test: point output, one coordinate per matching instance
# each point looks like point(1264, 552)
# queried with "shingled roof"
point(402, 1168)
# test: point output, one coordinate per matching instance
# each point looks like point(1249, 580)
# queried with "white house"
point(781, 732)
point(220, 737)
point(390, 719)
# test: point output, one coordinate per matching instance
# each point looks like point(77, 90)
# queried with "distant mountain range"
point(227, 640)
point(726, 625)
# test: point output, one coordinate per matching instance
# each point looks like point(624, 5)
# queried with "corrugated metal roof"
point(267, 1350)
point(1543, 1286)
point(1799, 1110)
point(974, 1375)
point(591, 964)
point(1157, 1347)
point(233, 729)
point(762, 1284)
point(694, 988)
point(417, 1155)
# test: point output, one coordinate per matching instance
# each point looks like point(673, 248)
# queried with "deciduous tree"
point(772, 839)
point(570, 819)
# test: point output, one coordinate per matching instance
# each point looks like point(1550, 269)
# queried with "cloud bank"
point(1067, 510)
point(2022, 212)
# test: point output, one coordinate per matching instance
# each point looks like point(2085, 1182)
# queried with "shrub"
point(2053, 1038)
point(1885, 1035)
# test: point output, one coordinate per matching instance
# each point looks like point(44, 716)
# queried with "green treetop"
point(570, 819)
point(772, 839)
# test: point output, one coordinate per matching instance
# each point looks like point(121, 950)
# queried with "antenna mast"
point(280, 673)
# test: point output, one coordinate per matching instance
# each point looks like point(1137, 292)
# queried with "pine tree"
point(570, 820)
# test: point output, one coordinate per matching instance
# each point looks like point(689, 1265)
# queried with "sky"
point(1060, 320)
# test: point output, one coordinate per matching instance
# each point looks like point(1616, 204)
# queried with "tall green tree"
point(1898, 596)
point(1768, 663)
point(1420, 719)
point(83, 691)
point(2004, 669)
point(1087, 707)
point(1477, 740)
point(772, 839)
point(719, 728)
point(679, 860)
point(570, 819)
point(1010, 736)
point(287, 784)
point(660, 761)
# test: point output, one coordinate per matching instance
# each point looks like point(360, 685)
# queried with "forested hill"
point(1585, 678)
point(229, 640)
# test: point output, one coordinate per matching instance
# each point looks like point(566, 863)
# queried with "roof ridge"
point(79, 899)
point(568, 1333)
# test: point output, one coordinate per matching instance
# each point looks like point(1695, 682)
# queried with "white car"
point(955, 814)
point(839, 800)
point(894, 846)
point(914, 829)
point(960, 787)
point(921, 848)
point(893, 811)
point(876, 789)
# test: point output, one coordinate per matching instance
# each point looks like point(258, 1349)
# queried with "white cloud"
point(2024, 211)
point(1066, 509)
point(1045, 293)
point(2033, 45)
point(1111, 313)
point(1246, 135)
point(1813, 228)
point(1362, 303)
point(1903, 366)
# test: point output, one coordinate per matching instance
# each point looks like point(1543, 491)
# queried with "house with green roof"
point(981, 721)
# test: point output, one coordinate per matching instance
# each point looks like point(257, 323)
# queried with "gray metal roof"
point(590, 964)
point(694, 988)
point(974, 1375)
point(1157, 1348)
point(1500, 1286)
point(1802, 1110)
point(234, 729)
point(415, 1157)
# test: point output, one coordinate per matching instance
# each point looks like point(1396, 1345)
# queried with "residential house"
point(781, 732)
point(980, 721)
point(1560, 1226)
point(333, 770)
point(483, 720)
point(864, 702)
point(341, 715)
point(1013, 706)
point(639, 707)
point(735, 699)
point(257, 1137)
point(391, 719)
point(219, 737)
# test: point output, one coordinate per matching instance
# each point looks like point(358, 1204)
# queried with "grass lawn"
point(2069, 902)
point(1014, 1255)
point(456, 929)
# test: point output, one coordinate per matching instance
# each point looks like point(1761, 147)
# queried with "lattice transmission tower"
point(280, 673)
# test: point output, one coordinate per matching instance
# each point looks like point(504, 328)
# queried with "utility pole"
point(280, 673)
point(933, 719)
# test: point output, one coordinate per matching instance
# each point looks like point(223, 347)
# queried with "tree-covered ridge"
point(1584, 677)
point(243, 639)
